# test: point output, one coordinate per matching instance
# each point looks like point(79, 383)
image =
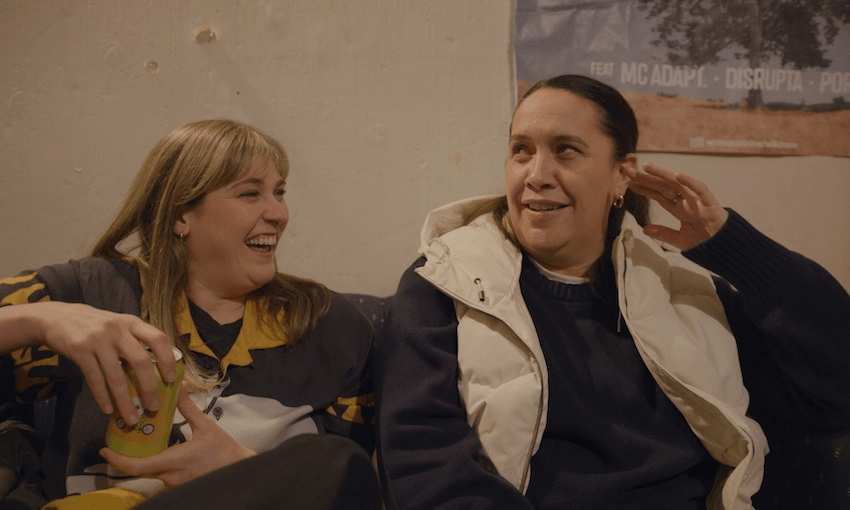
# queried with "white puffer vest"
point(669, 305)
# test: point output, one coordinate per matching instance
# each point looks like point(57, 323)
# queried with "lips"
point(262, 242)
point(543, 205)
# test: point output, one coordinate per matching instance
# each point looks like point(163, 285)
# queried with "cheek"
point(513, 213)
point(511, 174)
point(516, 222)
point(514, 188)
point(285, 217)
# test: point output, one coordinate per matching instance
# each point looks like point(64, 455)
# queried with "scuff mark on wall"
point(204, 34)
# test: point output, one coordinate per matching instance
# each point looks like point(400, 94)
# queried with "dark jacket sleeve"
point(427, 452)
point(352, 414)
point(36, 369)
point(792, 322)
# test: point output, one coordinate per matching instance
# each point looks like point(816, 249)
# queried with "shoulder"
point(461, 261)
point(344, 325)
point(481, 242)
point(373, 307)
point(92, 268)
point(102, 283)
point(413, 285)
point(483, 230)
point(418, 303)
point(109, 284)
point(344, 309)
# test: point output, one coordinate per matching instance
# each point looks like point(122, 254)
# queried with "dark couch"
point(806, 469)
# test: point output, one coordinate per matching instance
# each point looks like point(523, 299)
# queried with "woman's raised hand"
point(209, 448)
point(97, 341)
point(686, 198)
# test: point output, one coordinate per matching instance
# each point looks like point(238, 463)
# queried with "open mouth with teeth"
point(262, 243)
point(545, 207)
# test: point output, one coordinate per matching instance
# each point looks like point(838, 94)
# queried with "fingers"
point(673, 183)
point(662, 233)
point(158, 343)
point(153, 466)
point(108, 382)
point(651, 186)
point(688, 199)
point(144, 369)
point(650, 191)
point(163, 462)
point(116, 378)
point(97, 384)
point(108, 347)
point(177, 463)
point(133, 359)
point(145, 383)
point(194, 416)
point(661, 185)
point(127, 464)
point(672, 190)
point(209, 448)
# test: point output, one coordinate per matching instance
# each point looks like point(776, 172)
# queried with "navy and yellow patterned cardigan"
point(270, 391)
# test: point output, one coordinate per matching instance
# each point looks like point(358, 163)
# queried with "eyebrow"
point(255, 181)
point(558, 139)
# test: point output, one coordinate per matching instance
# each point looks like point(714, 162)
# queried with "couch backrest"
point(375, 308)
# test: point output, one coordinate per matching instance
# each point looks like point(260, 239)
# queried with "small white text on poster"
point(734, 78)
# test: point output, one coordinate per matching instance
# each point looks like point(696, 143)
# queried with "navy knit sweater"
point(613, 439)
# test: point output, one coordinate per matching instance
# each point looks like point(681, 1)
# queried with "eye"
point(250, 193)
point(279, 193)
point(518, 149)
point(520, 153)
point(565, 148)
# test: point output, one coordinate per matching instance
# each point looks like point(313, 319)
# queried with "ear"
point(181, 227)
point(625, 169)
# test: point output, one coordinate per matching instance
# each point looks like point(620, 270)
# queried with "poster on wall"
point(761, 77)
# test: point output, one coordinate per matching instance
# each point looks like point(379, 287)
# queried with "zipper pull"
point(477, 281)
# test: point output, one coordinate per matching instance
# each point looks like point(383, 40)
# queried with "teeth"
point(262, 241)
point(544, 207)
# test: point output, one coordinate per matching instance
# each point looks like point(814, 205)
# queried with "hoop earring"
point(618, 203)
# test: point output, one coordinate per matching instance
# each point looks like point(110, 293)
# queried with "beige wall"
point(388, 108)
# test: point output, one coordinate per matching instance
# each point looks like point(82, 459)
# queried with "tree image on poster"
point(708, 76)
point(695, 32)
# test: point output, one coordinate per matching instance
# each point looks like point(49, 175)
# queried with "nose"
point(276, 213)
point(541, 172)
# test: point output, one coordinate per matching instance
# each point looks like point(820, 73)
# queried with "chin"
point(267, 279)
point(261, 278)
point(541, 244)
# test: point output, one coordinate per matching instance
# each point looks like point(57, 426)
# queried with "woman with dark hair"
point(275, 365)
point(552, 349)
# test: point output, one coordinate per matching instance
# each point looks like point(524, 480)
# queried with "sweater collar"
point(255, 334)
point(556, 288)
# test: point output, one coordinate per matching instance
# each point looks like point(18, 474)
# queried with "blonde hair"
point(179, 171)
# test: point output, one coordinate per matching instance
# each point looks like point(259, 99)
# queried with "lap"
point(311, 471)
